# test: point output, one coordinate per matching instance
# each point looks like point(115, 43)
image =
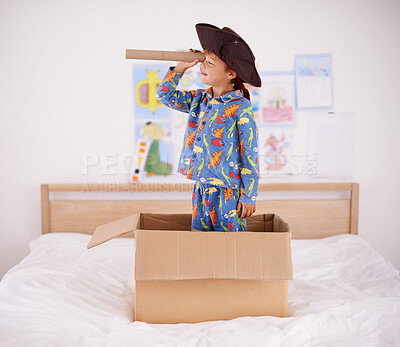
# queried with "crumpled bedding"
point(343, 293)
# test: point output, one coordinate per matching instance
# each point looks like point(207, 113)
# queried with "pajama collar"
point(233, 95)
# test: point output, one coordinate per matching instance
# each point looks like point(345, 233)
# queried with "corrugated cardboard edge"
point(108, 231)
point(290, 233)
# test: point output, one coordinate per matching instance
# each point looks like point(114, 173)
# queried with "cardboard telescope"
point(163, 55)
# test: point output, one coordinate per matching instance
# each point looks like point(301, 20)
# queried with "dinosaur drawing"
point(250, 139)
point(200, 167)
point(251, 186)
point(195, 212)
point(213, 118)
point(215, 159)
point(215, 181)
point(225, 228)
point(206, 143)
point(197, 149)
point(213, 216)
point(190, 138)
point(245, 171)
point(231, 110)
point(252, 163)
point(211, 190)
point(243, 120)
point(228, 193)
point(218, 133)
point(230, 130)
point(205, 226)
point(190, 172)
point(242, 149)
point(228, 154)
point(225, 176)
point(202, 124)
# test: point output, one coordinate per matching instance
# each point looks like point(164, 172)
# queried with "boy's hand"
point(182, 66)
point(247, 209)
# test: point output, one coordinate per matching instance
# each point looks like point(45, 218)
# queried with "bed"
point(343, 292)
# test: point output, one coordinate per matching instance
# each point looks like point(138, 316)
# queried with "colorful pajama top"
point(220, 143)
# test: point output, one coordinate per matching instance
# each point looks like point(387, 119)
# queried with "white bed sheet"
point(343, 294)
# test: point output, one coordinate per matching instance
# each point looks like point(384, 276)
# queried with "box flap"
point(175, 255)
point(164, 221)
point(113, 229)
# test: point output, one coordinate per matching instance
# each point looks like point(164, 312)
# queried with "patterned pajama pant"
point(214, 209)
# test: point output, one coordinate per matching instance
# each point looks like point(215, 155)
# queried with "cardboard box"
point(188, 277)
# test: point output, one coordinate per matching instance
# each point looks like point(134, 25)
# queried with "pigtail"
point(238, 84)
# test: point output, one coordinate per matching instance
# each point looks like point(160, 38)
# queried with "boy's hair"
point(237, 81)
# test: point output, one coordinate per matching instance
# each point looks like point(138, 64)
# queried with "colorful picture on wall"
point(313, 80)
point(275, 148)
point(146, 78)
point(276, 99)
point(154, 150)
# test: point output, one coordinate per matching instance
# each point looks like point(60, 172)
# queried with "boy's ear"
point(232, 75)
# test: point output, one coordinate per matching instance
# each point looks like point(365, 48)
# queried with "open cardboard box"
point(188, 277)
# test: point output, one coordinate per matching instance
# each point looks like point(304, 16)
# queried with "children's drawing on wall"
point(276, 99)
point(146, 78)
point(155, 151)
point(313, 78)
point(275, 148)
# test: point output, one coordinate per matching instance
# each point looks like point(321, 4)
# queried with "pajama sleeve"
point(168, 94)
point(248, 153)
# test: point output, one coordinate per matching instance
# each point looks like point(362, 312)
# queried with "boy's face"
point(213, 72)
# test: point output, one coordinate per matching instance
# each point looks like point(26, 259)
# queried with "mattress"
point(343, 293)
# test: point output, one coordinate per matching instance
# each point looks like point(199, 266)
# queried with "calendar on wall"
point(313, 79)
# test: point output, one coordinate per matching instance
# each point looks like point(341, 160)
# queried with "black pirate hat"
point(232, 49)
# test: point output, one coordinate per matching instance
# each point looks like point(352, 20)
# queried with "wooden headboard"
point(307, 217)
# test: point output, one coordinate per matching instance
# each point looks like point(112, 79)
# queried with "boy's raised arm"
point(168, 94)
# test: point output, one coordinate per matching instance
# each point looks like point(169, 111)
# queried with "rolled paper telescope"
point(163, 55)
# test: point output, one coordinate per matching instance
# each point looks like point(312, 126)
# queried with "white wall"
point(66, 90)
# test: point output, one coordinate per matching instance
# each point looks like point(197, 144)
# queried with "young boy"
point(220, 144)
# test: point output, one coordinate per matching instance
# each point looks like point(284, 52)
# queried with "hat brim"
point(232, 49)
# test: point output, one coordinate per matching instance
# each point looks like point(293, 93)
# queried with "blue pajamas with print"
point(220, 150)
point(214, 209)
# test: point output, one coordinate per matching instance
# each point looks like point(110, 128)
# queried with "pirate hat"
point(232, 49)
